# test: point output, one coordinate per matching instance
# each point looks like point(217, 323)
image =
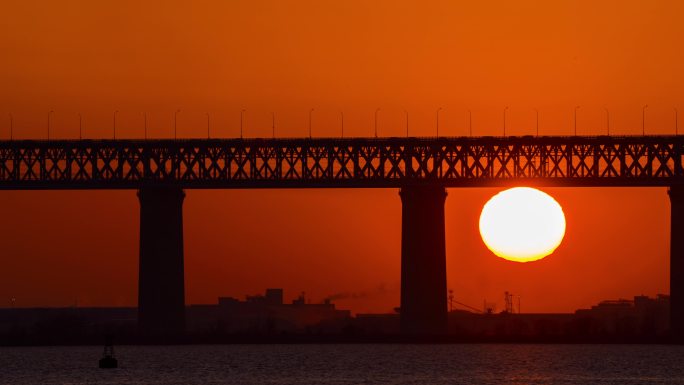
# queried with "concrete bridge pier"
point(676, 194)
point(161, 289)
point(423, 260)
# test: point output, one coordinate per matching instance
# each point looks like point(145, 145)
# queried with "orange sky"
point(287, 57)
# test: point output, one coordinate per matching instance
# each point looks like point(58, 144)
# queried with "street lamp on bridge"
point(242, 118)
point(643, 119)
point(376, 121)
point(49, 114)
point(504, 128)
point(175, 124)
point(115, 112)
point(439, 109)
point(310, 120)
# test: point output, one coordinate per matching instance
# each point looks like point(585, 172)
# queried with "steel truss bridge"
point(354, 162)
point(160, 171)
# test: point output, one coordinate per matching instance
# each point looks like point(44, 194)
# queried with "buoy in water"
point(108, 361)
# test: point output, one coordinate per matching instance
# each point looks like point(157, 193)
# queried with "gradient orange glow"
point(287, 57)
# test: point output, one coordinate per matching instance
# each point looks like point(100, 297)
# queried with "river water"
point(348, 364)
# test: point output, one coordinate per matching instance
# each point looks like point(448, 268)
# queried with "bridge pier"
point(423, 260)
point(161, 289)
point(676, 194)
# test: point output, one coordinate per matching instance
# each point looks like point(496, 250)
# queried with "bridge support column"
point(423, 260)
point(161, 289)
point(676, 194)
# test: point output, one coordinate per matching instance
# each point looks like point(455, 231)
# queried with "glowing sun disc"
point(522, 224)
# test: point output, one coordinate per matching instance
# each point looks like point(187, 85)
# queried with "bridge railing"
point(342, 162)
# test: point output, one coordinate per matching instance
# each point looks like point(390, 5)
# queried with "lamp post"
point(676, 123)
point(575, 121)
point(115, 112)
point(504, 116)
point(175, 124)
point(643, 119)
point(242, 118)
point(607, 121)
point(536, 111)
point(376, 121)
point(438, 110)
point(49, 114)
point(310, 119)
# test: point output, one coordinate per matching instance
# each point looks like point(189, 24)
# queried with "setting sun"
point(522, 224)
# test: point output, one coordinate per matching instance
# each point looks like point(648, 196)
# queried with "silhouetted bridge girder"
point(422, 168)
point(339, 163)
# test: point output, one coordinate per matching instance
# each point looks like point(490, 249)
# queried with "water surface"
point(348, 364)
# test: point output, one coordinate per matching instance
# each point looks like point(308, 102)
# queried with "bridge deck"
point(343, 162)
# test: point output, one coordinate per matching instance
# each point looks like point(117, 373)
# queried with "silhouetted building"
point(639, 319)
point(640, 316)
point(265, 314)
